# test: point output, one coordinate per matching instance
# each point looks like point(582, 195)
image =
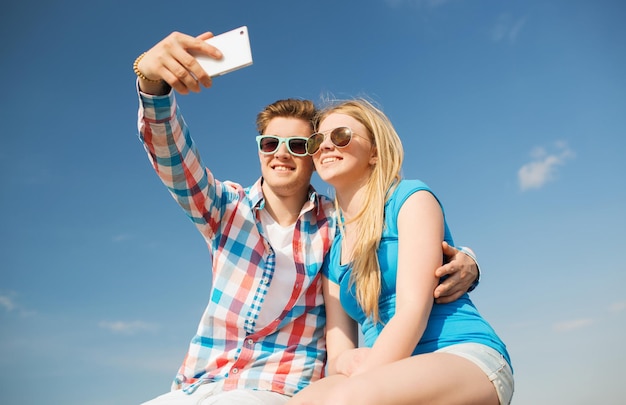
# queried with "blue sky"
point(514, 112)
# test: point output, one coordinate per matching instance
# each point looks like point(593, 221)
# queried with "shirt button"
point(250, 342)
point(235, 370)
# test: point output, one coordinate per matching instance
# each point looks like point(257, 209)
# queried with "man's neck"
point(284, 209)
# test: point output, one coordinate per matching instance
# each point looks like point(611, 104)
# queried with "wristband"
point(138, 72)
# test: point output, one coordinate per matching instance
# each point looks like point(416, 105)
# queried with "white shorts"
point(491, 362)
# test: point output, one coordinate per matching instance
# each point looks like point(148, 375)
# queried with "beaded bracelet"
point(138, 73)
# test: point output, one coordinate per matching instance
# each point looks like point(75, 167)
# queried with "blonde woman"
point(379, 275)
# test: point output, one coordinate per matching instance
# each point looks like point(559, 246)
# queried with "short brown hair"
point(288, 108)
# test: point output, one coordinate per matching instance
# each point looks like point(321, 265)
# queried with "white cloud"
point(618, 306)
point(7, 303)
point(127, 328)
point(542, 168)
point(507, 28)
point(575, 324)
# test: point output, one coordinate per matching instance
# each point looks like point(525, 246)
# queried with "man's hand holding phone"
point(174, 60)
point(236, 52)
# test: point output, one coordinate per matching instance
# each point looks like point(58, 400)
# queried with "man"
point(261, 338)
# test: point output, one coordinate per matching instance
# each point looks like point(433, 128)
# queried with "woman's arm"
point(420, 232)
point(341, 330)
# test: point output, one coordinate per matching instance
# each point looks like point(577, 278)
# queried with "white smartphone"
point(235, 48)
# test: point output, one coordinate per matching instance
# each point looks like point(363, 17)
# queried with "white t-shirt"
point(284, 278)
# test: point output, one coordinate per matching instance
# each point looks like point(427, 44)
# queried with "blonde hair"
point(385, 175)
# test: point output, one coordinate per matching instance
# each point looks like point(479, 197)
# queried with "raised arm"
point(163, 131)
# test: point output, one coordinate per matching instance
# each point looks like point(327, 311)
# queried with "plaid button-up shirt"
point(284, 355)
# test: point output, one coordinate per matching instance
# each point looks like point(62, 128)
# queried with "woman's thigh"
point(319, 392)
point(433, 378)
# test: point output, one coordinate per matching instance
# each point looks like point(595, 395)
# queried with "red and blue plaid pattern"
point(285, 355)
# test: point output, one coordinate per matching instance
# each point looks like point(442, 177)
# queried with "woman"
point(416, 351)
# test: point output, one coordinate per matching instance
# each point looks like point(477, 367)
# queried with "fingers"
point(205, 35)
point(178, 66)
point(173, 61)
point(460, 270)
point(446, 299)
point(445, 269)
point(454, 286)
point(181, 71)
point(451, 289)
point(449, 253)
point(448, 250)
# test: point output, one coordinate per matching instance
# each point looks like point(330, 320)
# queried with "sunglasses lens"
point(268, 144)
point(341, 136)
point(314, 142)
point(298, 146)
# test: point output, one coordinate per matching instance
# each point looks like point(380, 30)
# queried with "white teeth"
point(282, 168)
point(329, 160)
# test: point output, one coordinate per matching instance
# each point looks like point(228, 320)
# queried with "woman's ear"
point(374, 157)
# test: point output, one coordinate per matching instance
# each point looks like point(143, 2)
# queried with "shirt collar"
point(255, 194)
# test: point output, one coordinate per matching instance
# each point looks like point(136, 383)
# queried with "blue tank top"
point(448, 324)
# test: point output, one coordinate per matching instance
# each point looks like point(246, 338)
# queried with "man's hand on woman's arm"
point(462, 272)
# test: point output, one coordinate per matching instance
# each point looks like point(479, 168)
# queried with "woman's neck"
point(351, 201)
